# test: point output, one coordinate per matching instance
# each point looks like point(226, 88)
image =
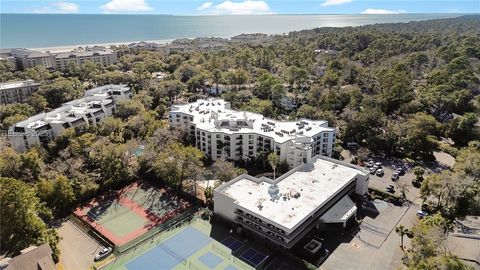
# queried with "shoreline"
point(69, 48)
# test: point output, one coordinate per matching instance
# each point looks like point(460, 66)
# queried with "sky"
point(238, 7)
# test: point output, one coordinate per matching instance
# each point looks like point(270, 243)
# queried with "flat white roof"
point(315, 182)
point(73, 110)
point(206, 112)
point(10, 85)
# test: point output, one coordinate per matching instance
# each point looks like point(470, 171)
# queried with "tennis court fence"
point(157, 229)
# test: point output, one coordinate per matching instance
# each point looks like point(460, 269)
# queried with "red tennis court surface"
point(124, 215)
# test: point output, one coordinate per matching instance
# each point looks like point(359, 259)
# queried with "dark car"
point(400, 171)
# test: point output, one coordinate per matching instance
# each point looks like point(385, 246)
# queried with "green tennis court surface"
point(121, 221)
point(123, 216)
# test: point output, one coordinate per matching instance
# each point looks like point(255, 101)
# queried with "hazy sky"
point(203, 7)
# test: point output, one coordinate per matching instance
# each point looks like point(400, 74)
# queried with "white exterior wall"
point(17, 92)
point(226, 206)
point(97, 104)
point(294, 151)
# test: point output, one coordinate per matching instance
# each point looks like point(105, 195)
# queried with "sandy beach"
point(69, 48)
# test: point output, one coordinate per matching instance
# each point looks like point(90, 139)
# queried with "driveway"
point(376, 245)
point(77, 249)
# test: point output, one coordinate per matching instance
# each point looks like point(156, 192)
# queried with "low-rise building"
point(97, 104)
point(221, 132)
point(316, 194)
point(31, 258)
point(16, 92)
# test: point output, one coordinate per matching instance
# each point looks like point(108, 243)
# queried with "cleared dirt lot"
point(77, 248)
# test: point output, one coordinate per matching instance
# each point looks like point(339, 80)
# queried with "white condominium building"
point(16, 92)
point(97, 104)
point(220, 132)
point(283, 211)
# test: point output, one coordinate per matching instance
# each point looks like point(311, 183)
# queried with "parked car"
point(390, 189)
point(373, 170)
point(395, 177)
point(103, 253)
point(422, 214)
point(379, 172)
point(378, 164)
point(369, 163)
point(400, 171)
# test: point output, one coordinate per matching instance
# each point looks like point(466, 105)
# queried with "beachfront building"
point(97, 104)
point(16, 92)
point(317, 194)
point(104, 58)
point(24, 58)
point(221, 132)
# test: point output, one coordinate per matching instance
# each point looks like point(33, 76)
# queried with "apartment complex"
point(97, 104)
point(104, 58)
point(221, 132)
point(24, 58)
point(316, 194)
point(16, 92)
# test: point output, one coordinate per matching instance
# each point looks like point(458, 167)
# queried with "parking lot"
point(389, 166)
point(382, 182)
point(77, 248)
point(375, 245)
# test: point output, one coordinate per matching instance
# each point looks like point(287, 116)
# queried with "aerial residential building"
point(16, 92)
point(24, 58)
point(104, 57)
point(97, 104)
point(31, 258)
point(222, 132)
point(316, 194)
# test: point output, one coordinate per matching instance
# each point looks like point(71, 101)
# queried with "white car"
point(421, 214)
point(103, 253)
point(379, 172)
point(378, 164)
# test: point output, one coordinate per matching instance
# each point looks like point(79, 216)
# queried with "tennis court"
point(124, 215)
point(188, 247)
point(121, 221)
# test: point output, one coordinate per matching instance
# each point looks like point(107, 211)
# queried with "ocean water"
point(44, 30)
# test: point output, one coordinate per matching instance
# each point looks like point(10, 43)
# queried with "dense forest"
point(403, 90)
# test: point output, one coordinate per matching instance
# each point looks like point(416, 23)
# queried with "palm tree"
point(274, 159)
point(402, 231)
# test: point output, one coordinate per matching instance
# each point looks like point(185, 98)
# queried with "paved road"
point(77, 248)
point(376, 246)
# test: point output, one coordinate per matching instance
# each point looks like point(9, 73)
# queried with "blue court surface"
point(230, 268)
point(253, 257)
point(232, 243)
point(211, 260)
point(171, 252)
